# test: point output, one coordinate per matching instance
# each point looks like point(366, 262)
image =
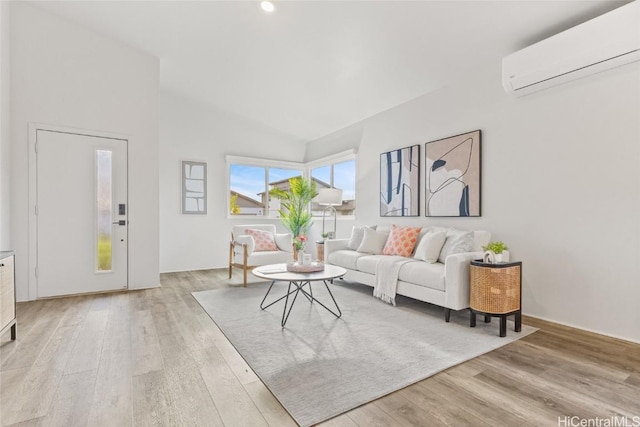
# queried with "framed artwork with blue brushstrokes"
point(400, 182)
point(452, 174)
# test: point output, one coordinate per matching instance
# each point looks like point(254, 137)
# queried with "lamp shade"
point(329, 196)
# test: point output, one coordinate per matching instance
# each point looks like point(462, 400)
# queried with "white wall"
point(65, 75)
point(5, 126)
point(192, 131)
point(560, 185)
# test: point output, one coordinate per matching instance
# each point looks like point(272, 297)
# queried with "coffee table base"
point(298, 287)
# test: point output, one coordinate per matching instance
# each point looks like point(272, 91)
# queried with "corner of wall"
point(5, 123)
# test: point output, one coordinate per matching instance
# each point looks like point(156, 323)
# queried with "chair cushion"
point(345, 258)
point(268, 257)
point(401, 241)
point(423, 274)
point(264, 240)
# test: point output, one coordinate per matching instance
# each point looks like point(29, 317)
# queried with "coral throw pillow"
point(401, 241)
point(264, 240)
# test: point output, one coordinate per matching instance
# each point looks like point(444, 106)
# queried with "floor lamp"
point(329, 197)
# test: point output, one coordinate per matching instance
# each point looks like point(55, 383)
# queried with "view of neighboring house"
point(245, 205)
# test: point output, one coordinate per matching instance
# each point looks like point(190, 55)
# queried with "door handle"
point(121, 222)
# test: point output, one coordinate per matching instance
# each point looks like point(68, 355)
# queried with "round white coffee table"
point(279, 273)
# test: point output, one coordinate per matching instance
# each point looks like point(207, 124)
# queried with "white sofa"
point(446, 285)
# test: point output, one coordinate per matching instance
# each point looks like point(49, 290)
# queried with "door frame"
point(33, 197)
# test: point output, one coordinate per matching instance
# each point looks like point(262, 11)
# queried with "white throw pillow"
point(357, 233)
point(457, 242)
point(430, 246)
point(284, 242)
point(373, 241)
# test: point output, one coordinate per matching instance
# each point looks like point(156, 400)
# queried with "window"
point(339, 174)
point(104, 204)
point(251, 179)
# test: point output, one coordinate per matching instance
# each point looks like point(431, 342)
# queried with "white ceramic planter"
point(502, 257)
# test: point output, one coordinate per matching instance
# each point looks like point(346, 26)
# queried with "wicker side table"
point(495, 291)
point(320, 250)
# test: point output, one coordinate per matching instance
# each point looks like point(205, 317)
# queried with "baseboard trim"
point(582, 329)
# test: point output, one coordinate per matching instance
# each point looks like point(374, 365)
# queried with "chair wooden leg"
point(231, 259)
point(245, 276)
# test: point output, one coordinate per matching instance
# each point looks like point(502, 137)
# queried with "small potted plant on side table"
point(499, 249)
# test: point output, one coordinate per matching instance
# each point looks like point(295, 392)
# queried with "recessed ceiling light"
point(267, 6)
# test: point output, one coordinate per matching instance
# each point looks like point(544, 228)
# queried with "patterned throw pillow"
point(264, 240)
point(401, 241)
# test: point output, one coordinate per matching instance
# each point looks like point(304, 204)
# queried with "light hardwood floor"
point(154, 357)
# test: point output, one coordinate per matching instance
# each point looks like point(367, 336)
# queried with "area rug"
point(319, 366)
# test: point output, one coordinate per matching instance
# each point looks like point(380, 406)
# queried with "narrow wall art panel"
point(194, 188)
point(400, 182)
point(452, 173)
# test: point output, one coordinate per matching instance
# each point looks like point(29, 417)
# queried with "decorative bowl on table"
point(296, 267)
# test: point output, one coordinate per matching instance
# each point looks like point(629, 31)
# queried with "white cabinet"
point(7, 294)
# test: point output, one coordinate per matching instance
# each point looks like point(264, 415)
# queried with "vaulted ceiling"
point(313, 67)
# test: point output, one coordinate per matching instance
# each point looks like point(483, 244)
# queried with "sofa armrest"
point(332, 245)
point(456, 276)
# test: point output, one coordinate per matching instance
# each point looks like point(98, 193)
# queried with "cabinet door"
point(7, 292)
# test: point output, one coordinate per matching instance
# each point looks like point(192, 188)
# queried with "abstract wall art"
point(400, 182)
point(194, 188)
point(452, 174)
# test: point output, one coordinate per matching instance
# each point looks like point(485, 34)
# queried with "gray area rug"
point(319, 366)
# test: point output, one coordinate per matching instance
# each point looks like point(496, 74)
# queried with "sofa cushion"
point(457, 242)
point(357, 234)
point(401, 241)
point(430, 246)
point(373, 241)
point(368, 263)
point(264, 240)
point(423, 274)
point(345, 258)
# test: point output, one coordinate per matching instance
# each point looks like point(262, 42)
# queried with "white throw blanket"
point(386, 282)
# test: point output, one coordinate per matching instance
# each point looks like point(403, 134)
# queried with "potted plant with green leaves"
point(499, 250)
point(294, 206)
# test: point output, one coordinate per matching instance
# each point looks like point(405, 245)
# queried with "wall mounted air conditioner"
point(605, 42)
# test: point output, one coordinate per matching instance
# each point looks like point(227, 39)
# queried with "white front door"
point(81, 213)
